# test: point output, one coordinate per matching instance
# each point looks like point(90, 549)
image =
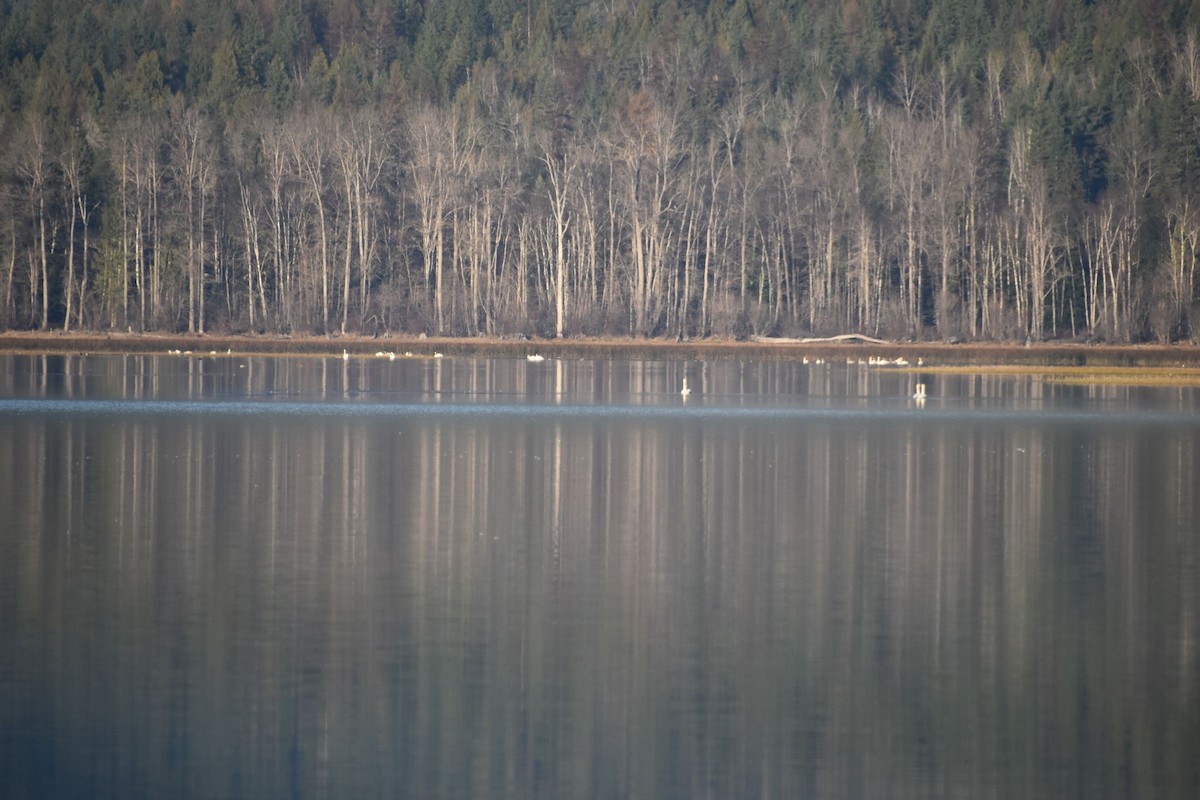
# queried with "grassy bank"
point(1154, 375)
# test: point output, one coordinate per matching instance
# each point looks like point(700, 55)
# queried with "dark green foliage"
point(1178, 129)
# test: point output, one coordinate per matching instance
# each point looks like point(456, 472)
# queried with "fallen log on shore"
point(841, 337)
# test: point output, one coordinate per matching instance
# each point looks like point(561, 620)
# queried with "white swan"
point(685, 391)
point(534, 357)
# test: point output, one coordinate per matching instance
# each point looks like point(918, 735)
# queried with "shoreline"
point(933, 353)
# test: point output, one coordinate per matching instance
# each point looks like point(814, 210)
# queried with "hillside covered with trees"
point(683, 168)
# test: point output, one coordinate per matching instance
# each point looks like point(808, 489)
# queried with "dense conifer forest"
point(953, 169)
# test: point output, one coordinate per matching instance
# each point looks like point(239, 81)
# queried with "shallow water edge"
point(977, 353)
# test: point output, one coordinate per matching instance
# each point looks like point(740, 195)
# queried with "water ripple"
point(875, 413)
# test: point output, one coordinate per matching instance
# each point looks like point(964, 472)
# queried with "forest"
point(1016, 170)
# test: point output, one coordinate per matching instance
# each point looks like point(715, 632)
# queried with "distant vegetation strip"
point(1145, 375)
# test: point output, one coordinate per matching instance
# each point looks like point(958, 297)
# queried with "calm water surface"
point(461, 578)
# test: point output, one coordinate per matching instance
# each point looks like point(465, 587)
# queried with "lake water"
point(479, 578)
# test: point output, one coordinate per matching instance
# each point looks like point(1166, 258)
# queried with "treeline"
point(905, 168)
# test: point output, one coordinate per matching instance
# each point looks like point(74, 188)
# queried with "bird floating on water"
point(535, 357)
point(920, 393)
point(685, 391)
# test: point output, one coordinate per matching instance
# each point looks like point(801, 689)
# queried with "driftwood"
point(844, 337)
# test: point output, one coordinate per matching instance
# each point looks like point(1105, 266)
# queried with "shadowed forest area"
point(929, 169)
